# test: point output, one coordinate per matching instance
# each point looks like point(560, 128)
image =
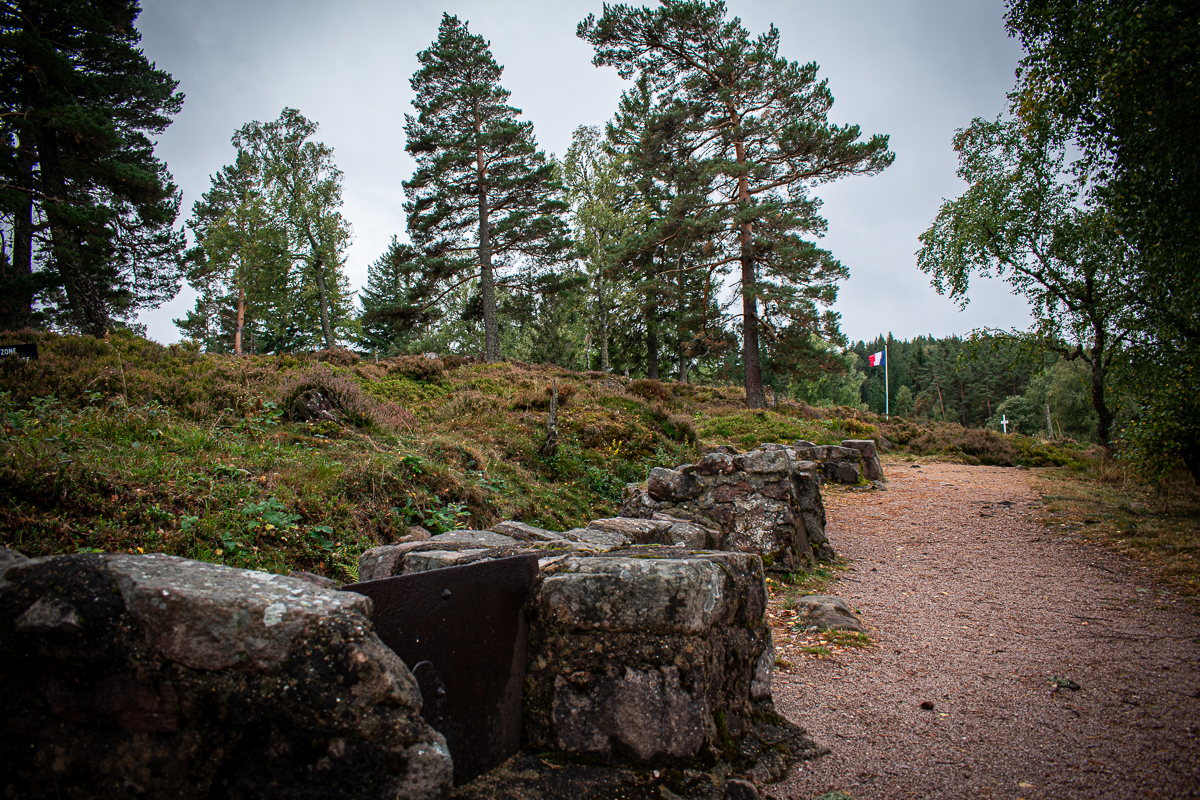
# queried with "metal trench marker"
point(462, 632)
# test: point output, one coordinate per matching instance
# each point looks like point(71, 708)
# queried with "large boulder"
point(642, 658)
point(669, 484)
point(157, 676)
point(524, 532)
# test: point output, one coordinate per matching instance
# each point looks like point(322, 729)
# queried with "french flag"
point(875, 359)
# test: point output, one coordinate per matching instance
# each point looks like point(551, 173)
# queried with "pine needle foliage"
point(484, 203)
point(92, 208)
point(756, 125)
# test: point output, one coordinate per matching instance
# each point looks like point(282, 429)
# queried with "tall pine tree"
point(757, 124)
point(86, 199)
point(484, 204)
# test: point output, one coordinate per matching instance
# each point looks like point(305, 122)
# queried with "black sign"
point(462, 631)
point(19, 350)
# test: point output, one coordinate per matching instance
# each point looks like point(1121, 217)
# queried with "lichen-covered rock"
point(162, 677)
point(474, 539)
point(645, 657)
point(843, 471)
point(656, 656)
point(448, 550)
point(766, 501)
point(8, 558)
point(689, 534)
point(635, 531)
point(673, 485)
point(524, 532)
point(849, 463)
point(649, 594)
point(871, 466)
point(826, 612)
point(424, 560)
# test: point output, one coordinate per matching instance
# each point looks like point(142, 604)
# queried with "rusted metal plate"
point(462, 632)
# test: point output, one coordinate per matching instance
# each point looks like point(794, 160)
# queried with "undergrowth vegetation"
point(303, 461)
point(1157, 525)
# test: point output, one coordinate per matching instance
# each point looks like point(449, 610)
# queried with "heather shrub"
point(309, 394)
point(677, 427)
point(532, 399)
point(466, 404)
point(418, 368)
point(649, 389)
point(337, 356)
point(454, 362)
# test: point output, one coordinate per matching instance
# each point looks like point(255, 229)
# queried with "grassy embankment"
point(125, 445)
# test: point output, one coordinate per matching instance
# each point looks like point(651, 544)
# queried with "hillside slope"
point(123, 444)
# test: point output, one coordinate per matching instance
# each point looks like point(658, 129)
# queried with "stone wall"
point(854, 461)
point(648, 649)
point(157, 676)
point(657, 659)
point(640, 654)
point(766, 501)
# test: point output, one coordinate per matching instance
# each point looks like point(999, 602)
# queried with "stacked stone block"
point(766, 501)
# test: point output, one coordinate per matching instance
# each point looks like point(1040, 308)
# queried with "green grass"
point(124, 445)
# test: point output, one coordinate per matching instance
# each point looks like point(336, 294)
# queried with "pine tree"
point(86, 200)
point(390, 278)
point(483, 197)
point(757, 125)
point(664, 250)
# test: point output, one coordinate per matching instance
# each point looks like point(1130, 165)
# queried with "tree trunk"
point(651, 347)
point(88, 309)
point(602, 301)
point(680, 333)
point(17, 302)
point(323, 300)
point(1104, 415)
point(755, 396)
point(487, 284)
point(241, 321)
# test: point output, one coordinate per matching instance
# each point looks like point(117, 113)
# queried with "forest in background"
point(677, 241)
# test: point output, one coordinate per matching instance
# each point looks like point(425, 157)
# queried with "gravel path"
point(973, 607)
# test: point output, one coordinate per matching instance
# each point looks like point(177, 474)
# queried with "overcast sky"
point(915, 70)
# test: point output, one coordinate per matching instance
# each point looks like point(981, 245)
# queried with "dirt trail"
point(974, 607)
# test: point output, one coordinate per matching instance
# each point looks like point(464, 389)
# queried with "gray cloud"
point(913, 70)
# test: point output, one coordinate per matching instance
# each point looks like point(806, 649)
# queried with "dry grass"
point(1158, 526)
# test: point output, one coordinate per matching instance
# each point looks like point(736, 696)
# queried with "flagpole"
point(887, 409)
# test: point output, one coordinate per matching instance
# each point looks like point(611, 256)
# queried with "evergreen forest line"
point(675, 242)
